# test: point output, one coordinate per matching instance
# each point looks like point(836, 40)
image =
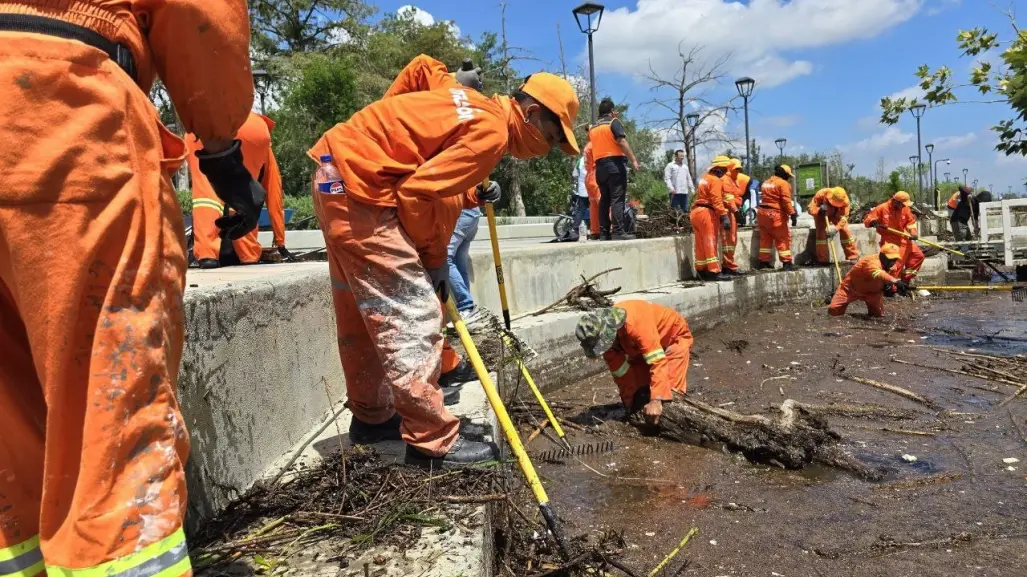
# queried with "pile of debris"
point(663, 222)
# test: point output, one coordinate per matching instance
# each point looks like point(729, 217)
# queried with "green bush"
point(185, 201)
point(304, 207)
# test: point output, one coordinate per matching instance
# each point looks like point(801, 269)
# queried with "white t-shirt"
point(677, 178)
point(579, 173)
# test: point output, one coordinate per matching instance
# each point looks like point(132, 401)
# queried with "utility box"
point(809, 178)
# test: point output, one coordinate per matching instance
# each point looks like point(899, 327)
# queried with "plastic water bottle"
point(328, 179)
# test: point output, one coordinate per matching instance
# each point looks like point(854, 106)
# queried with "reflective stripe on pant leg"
point(165, 558)
point(729, 239)
point(783, 240)
point(622, 370)
point(763, 220)
point(22, 560)
point(403, 318)
point(823, 252)
point(206, 235)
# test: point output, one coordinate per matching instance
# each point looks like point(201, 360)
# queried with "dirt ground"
point(957, 510)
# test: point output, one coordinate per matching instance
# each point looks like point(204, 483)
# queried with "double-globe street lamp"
point(934, 179)
point(780, 142)
point(584, 16)
point(965, 171)
point(930, 151)
point(745, 86)
point(918, 111)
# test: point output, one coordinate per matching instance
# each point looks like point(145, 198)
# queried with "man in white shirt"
point(580, 201)
point(678, 181)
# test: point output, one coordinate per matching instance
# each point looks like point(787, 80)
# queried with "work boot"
point(361, 433)
point(463, 373)
point(624, 236)
point(463, 452)
point(474, 431)
point(788, 266)
point(451, 395)
point(208, 263)
point(732, 272)
point(593, 237)
point(764, 266)
point(713, 276)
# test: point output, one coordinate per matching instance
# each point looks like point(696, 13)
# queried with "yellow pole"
point(953, 251)
point(673, 553)
point(490, 214)
point(834, 257)
point(542, 402)
point(505, 423)
point(1005, 287)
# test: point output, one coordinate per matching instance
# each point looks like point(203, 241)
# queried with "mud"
point(956, 510)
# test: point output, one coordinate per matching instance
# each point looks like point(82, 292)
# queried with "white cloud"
point(891, 136)
point(1015, 160)
point(425, 18)
point(913, 92)
point(631, 38)
point(783, 121)
point(958, 141)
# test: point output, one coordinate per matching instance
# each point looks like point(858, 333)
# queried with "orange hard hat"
point(903, 197)
point(891, 250)
point(558, 96)
point(837, 197)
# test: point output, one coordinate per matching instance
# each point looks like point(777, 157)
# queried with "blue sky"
point(821, 66)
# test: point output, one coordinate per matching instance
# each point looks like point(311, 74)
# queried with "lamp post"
point(934, 179)
point(745, 86)
point(948, 177)
point(583, 15)
point(918, 111)
point(914, 161)
point(260, 81)
point(692, 119)
point(975, 184)
point(930, 151)
point(965, 171)
point(780, 142)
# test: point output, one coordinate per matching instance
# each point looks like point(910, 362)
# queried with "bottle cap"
point(326, 158)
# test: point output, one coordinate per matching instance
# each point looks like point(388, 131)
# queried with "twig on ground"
point(1008, 399)
point(475, 498)
point(674, 553)
point(583, 290)
point(956, 372)
point(893, 389)
point(1016, 426)
point(338, 431)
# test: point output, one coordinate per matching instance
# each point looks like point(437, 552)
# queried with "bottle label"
point(333, 187)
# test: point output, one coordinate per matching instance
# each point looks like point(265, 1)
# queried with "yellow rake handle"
point(1003, 287)
point(509, 431)
point(927, 242)
point(834, 257)
point(490, 215)
point(542, 402)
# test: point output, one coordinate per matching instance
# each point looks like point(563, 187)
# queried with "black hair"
point(718, 170)
point(679, 150)
point(521, 97)
point(779, 172)
point(605, 106)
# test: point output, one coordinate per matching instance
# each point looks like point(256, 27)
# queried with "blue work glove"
point(490, 194)
point(469, 75)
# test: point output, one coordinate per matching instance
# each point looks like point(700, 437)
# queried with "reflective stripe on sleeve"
point(654, 356)
point(623, 370)
point(208, 203)
point(22, 560)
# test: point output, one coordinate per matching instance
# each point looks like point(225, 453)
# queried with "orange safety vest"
point(604, 145)
point(953, 200)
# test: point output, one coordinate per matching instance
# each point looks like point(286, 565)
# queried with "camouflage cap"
point(597, 330)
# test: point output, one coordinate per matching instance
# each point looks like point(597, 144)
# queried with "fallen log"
point(793, 440)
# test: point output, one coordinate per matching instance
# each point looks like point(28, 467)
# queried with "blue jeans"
point(679, 201)
point(459, 257)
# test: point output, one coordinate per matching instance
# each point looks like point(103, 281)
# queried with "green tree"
point(894, 182)
point(291, 26)
point(1006, 80)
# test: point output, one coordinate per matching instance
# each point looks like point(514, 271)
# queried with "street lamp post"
point(692, 119)
point(948, 177)
point(930, 153)
point(965, 171)
point(934, 179)
point(918, 111)
point(745, 86)
point(583, 15)
point(260, 82)
point(780, 142)
point(914, 161)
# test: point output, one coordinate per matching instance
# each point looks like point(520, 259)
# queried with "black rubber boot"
point(624, 236)
point(732, 272)
point(463, 452)
point(361, 433)
point(451, 395)
point(764, 266)
point(593, 237)
point(788, 266)
point(208, 263)
point(463, 373)
point(474, 431)
point(714, 277)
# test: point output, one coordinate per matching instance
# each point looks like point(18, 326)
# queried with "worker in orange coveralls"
point(870, 281)
point(709, 211)
point(772, 217)
point(646, 346)
point(92, 271)
point(831, 206)
point(592, 186)
point(407, 161)
point(255, 139)
point(894, 213)
point(732, 202)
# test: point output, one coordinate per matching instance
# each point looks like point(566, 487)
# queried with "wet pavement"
point(956, 510)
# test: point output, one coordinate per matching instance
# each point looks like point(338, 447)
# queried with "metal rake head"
point(558, 455)
point(1019, 292)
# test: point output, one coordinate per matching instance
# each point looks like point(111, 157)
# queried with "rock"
point(909, 458)
point(380, 559)
point(1010, 460)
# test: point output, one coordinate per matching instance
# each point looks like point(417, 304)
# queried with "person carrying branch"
point(646, 346)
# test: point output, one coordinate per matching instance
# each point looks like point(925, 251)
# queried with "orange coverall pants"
point(388, 321)
point(729, 239)
point(92, 269)
point(774, 233)
point(638, 376)
point(593, 213)
point(207, 208)
point(705, 225)
point(842, 299)
point(912, 260)
point(848, 242)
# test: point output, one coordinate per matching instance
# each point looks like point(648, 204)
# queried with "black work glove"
point(234, 185)
point(902, 287)
point(440, 281)
point(285, 253)
point(795, 220)
point(492, 193)
point(874, 224)
point(469, 75)
point(914, 237)
point(725, 222)
point(890, 290)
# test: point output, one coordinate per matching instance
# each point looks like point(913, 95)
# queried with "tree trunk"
point(516, 198)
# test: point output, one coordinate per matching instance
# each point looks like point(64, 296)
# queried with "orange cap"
point(891, 250)
point(903, 197)
point(557, 95)
point(837, 197)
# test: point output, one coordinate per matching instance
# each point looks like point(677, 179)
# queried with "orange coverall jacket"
point(732, 193)
point(710, 194)
point(410, 150)
point(652, 350)
point(776, 194)
point(889, 217)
